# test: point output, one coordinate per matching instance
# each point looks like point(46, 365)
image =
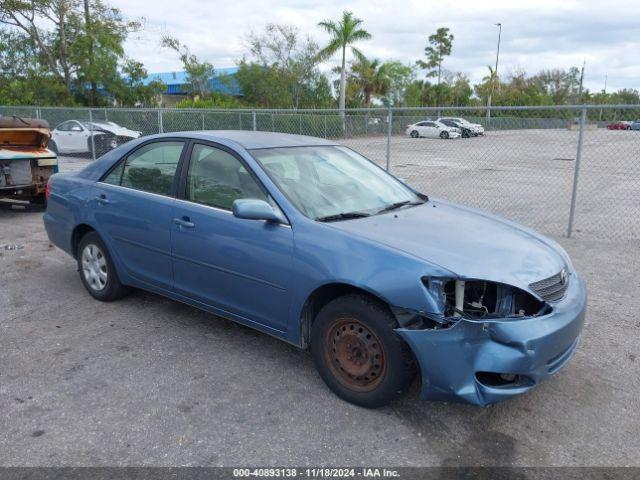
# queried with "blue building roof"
point(177, 82)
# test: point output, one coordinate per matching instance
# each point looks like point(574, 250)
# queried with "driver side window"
point(216, 178)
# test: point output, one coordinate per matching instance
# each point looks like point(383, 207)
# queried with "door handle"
point(102, 199)
point(184, 222)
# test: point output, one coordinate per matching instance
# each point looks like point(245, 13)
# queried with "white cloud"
point(537, 34)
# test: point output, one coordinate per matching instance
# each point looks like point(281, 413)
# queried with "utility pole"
point(584, 62)
point(89, 31)
point(604, 93)
point(495, 72)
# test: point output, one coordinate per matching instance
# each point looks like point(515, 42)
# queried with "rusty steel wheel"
point(357, 352)
point(355, 355)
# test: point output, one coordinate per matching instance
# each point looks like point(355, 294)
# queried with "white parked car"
point(476, 128)
point(74, 136)
point(431, 129)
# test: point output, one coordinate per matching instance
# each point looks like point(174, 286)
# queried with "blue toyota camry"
point(308, 241)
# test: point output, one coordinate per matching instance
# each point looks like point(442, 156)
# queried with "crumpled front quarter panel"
point(534, 347)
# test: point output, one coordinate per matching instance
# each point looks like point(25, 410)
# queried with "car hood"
point(118, 130)
point(465, 241)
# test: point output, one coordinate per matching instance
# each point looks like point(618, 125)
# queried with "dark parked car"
point(310, 242)
point(465, 130)
point(619, 126)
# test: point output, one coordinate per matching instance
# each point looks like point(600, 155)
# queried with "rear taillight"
point(47, 189)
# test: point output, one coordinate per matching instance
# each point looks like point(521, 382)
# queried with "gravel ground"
point(148, 381)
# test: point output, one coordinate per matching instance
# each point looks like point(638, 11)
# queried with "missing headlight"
point(480, 299)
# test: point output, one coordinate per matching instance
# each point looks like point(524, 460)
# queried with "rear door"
point(430, 130)
point(133, 208)
point(79, 138)
point(420, 126)
point(237, 265)
point(62, 135)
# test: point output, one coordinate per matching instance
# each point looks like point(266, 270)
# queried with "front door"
point(236, 265)
point(134, 206)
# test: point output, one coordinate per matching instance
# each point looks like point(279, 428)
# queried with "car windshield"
point(330, 183)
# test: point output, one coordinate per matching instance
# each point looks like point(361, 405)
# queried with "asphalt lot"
point(527, 175)
point(148, 381)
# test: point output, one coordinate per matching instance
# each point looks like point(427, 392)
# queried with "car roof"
point(250, 139)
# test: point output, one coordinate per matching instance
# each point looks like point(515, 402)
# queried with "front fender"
point(326, 255)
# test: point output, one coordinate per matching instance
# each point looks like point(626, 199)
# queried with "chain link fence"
point(566, 170)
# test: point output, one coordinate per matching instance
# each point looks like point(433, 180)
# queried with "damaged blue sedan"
point(308, 241)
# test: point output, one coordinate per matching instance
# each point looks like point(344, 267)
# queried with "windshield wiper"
point(342, 216)
point(395, 206)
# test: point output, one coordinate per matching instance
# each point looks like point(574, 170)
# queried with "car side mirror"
point(254, 209)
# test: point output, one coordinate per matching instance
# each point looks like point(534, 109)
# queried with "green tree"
point(400, 77)
point(439, 47)
point(80, 53)
point(294, 59)
point(133, 91)
point(23, 78)
point(371, 77)
point(262, 86)
point(343, 34)
point(460, 90)
point(199, 73)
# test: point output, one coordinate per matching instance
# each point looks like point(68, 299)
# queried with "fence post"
point(325, 126)
point(240, 120)
point(300, 122)
point(202, 120)
point(106, 117)
point(576, 171)
point(93, 142)
point(273, 125)
point(160, 126)
point(389, 130)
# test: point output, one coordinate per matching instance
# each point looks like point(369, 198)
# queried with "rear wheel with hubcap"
point(415, 134)
point(358, 354)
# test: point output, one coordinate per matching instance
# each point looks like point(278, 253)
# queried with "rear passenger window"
point(151, 168)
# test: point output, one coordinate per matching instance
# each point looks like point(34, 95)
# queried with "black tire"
point(370, 365)
point(415, 134)
point(96, 148)
point(53, 146)
point(39, 200)
point(465, 134)
point(444, 134)
point(112, 289)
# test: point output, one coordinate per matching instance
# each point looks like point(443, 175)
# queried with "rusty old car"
point(25, 161)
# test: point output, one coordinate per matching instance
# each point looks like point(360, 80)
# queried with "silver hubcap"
point(94, 267)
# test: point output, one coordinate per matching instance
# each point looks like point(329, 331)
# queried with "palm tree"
point(343, 34)
point(372, 77)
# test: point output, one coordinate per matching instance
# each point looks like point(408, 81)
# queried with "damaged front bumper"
point(484, 362)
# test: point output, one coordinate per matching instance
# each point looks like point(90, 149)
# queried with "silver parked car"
point(431, 129)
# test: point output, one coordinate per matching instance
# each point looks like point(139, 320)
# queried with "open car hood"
point(24, 132)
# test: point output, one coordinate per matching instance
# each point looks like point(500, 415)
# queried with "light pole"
point(495, 72)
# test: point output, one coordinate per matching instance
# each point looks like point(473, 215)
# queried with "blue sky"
point(536, 34)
